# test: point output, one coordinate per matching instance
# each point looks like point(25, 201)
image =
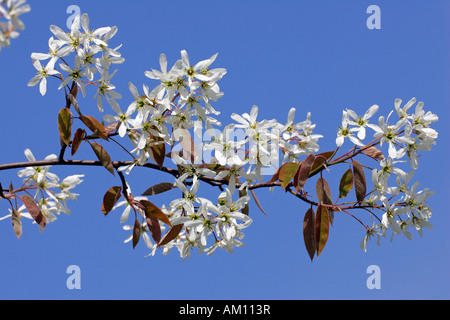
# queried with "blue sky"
point(317, 56)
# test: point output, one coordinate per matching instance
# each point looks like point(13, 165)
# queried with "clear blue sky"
point(317, 56)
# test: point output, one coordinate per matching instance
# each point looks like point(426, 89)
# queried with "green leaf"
point(103, 156)
point(308, 232)
point(65, 125)
point(287, 172)
point(33, 210)
point(154, 212)
point(346, 183)
point(359, 179)
point(303, 172)
point(110, 199)
point(321, 228)
point(173, 232)
point(158, 188)
point(95, 126)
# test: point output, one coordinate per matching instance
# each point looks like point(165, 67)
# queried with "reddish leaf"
point(155, 228)
point(257, 202)
point(136, 232)
point(321, 228)
point(158, 188)
point(323, 191)
point(346, 183)
point(95, 126)
point(188, 145)
point(65, 125)
point(303, 172)
point(359, 179)
point(16, 223)
point(173, 232)
point(275, 177)
point(308, 232)
point(320, 159)
point(77, 138)
point(33, 210)
point(152, 211)
point(73, 100)
point(110, 199)
point(374, 153)
point(113, 127)
point(158, 151)
point(103, 156)
point(287, 172)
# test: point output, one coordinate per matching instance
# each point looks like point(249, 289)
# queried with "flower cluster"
point(403, 204)
point(50, 193)
point(93, 55)
point(10, 10)
point(178, 114)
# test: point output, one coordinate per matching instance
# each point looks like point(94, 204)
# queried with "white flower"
point(391, 135)
point(76, 74)
point(123, 117)
point(43, 73)
point(362, 122)
point(39, 173)
point(346, 132)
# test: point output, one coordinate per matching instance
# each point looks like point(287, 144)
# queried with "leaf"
point(73, 100)
point(95, 126)
point(158, 151)
point(323, 191)
point(243, 193)
point(110, 199)
point(275, 177)
point(321, 228)
point(324, 195)
point(136, 232)
point(287, 172)
point(154, 212)
point(173, 232)
point(320, 159)
point(77, 138)
point(308, 232)
point(346, 183)
point(16, 223)
point(65, 125)
point(155, 228)
point(374, 153)
point(103, 156)
point(158, 188)
point(257, 202)
point(33, 210)
point(359, 180)
point(188, 145)
point(303, 172)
